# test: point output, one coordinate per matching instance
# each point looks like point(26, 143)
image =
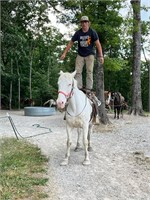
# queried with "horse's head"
point(66, 83)
point(117, 98)
point(107, 97)
point(113, 95)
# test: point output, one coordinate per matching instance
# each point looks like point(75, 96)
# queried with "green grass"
point(22, 170)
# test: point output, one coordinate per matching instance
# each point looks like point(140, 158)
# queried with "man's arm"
point(99, 48)
point(69, 45)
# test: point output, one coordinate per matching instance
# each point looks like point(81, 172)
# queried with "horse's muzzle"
point(60, 105)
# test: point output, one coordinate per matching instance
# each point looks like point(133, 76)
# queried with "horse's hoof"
point(86, 162)
point(90, 149)
point(64, 162)
point(77, 149)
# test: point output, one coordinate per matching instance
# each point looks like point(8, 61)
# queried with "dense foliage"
point(31, 48)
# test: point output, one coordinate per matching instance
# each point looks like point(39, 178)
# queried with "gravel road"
point(120, 161)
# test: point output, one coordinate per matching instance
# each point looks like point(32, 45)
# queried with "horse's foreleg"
point(121, 111)
point(89, 137)
point(69, 141)
point(85, 143)
point(118, 112)
point(114, 113)
point(78, 146)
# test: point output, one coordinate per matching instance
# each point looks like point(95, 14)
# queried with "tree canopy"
point(31, 47)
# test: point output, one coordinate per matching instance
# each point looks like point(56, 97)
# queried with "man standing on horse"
point(86, 38)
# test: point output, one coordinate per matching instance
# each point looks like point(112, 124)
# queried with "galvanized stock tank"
point(39, 111)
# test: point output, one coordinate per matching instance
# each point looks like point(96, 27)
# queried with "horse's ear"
point(61, 72)
point(74, 73)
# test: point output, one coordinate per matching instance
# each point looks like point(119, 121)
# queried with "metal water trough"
point(39, 111)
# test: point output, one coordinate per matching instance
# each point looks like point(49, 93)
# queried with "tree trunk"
point(49, 64)
point(100, 91)
point(11, 85)
point(18, 84)
point(10, 95)
point(136, 107)
point(149, 89)
point(0, 85)
point(30, 77)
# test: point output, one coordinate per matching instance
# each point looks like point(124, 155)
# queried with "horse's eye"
point(69, 84)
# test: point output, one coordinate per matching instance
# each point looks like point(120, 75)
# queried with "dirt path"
point(120, 162)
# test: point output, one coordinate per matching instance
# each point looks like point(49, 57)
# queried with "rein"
point(80, 112)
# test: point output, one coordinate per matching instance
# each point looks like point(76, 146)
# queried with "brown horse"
point(115, 101)
point(27, 102)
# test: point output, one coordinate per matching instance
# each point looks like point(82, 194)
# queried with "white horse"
point(52, 103)
point(78, 113)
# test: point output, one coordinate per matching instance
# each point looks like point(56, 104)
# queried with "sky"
point(145, 16)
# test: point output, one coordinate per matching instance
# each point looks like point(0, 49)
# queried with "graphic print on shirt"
point(85, 41)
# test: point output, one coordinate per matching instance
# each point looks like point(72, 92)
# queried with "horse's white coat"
point(78, 112)
point(51, 102)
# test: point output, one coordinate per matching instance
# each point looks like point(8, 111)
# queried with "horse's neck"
point(77, 101)
point(117, 97)
point(109, 98)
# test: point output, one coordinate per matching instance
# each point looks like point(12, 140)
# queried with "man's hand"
point(63, 56)
point(101, 58)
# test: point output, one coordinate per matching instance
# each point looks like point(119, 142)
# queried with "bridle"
point(70, 94)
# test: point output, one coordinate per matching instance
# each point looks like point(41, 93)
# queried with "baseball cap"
point(84, 18)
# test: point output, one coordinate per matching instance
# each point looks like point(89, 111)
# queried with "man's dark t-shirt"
point(85, 41)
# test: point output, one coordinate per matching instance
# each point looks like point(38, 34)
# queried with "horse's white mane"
point(75, 83)
point(68, 75)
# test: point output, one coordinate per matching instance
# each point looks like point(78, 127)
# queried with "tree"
point(26, 39)
point(136, 107)
point(30, 42)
